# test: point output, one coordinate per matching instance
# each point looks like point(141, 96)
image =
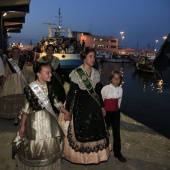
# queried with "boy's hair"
point(113, 74)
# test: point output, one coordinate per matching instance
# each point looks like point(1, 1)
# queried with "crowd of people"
point(61, 45)
point(53, 124)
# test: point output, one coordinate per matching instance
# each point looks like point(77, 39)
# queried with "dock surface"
point(143, 148)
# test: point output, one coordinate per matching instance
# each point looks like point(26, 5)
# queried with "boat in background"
point(109, 56)
point(145, 65)
point(101, 55)
point(140, 54)
point(66, 48)
point(162, 61)
point(118, 59)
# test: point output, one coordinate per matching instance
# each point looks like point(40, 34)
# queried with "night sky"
point(142, 21)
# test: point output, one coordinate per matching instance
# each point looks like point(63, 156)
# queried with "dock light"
point(4, 14)
point(121, 33)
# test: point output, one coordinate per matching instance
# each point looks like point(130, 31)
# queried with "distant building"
point(151, 54)
point(100, 43)
point(129, 51)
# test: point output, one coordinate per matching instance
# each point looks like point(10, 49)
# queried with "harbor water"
point(145, 98)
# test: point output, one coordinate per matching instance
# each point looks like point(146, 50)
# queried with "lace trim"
point(86, 147)
point(94, 78)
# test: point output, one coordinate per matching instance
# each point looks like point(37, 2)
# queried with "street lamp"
point(122, 33)
point(156, 45)
point(122, 36)
point(164, 38)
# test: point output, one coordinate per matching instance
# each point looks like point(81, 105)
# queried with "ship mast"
point(59, 18)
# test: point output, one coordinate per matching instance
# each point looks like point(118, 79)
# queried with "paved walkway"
point(143, 148)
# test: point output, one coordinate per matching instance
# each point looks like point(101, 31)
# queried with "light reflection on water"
point(145, 98)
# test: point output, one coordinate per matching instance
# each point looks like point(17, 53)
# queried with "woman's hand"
point(103, 111)
point(22, 131)
point(67, 114)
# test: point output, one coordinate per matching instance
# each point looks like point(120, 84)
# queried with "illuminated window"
point(95, 39)
point(101, 46)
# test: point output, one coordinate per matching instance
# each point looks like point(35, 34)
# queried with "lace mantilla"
point(94, 78)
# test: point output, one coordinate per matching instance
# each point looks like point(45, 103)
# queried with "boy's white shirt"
point(112, 92)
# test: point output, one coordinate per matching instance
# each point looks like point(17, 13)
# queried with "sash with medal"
point(18, 70)
point(88, 85)
point(53, 71)
point(46, 102)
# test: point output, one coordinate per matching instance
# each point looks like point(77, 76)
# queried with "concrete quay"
point(143, 148)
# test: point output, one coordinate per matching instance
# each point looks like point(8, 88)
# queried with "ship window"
point(63, 56)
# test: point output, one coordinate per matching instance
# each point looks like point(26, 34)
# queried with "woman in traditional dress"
point(40, 149)
point(56, 78)
point(87, 139)
point(11, 95)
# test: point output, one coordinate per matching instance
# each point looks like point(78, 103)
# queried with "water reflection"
point(150, 82)
point(160, 85)
point(145, 97)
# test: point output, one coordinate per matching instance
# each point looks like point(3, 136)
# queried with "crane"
point(49, 28)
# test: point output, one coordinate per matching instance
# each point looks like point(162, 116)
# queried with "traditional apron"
point(88, 85)
point(18, 70)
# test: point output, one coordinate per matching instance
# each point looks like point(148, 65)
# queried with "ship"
point(67, 48)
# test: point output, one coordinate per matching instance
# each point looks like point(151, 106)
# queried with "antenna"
point(59, 18)
point(50, 34)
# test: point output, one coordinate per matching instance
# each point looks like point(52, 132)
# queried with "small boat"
point(102, 55)
point(144, 65)
point(162, 61)
point(66, 47)
point(118, 59)
point(108, 56)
